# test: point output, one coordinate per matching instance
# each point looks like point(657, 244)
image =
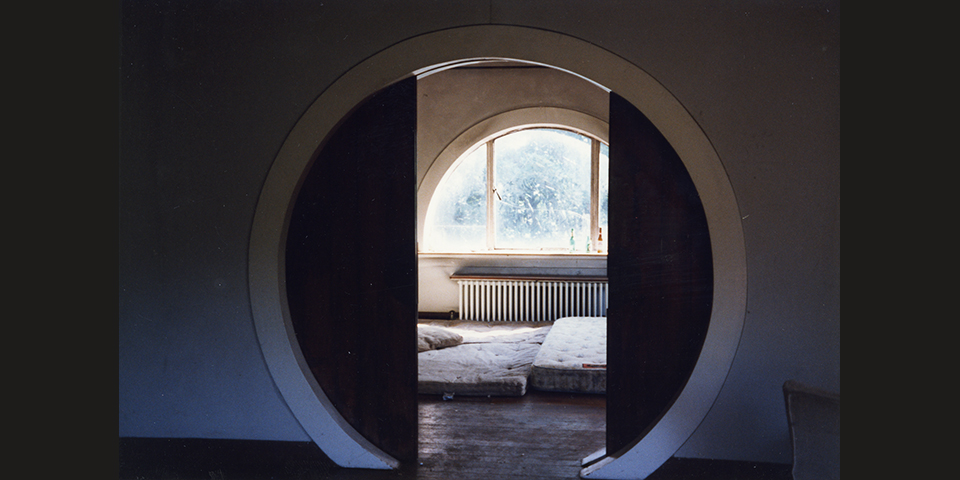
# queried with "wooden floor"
point(538, 436)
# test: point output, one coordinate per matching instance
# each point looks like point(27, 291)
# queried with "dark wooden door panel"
point(660, 273)
point(352, 269)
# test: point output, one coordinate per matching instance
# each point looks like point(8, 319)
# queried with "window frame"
point(596, 144)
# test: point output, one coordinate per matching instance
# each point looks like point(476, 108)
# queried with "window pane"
point(457, 216)
point(604, 187)
point(543, 181)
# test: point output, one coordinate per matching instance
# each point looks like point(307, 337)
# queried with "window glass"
point(457, 215)
point(604, 181)
point(542, 190)
point(539, 190)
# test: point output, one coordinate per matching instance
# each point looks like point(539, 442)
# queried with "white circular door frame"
point(437, 50)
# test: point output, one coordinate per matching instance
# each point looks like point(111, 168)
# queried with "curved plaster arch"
point(495, 126)
point(437, 50)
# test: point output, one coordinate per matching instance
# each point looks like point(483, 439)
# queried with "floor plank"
point(540, 436)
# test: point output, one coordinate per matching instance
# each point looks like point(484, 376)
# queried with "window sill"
point(435, 265)
point(509, 253)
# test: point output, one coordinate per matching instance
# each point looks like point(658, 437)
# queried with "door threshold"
point(593, 458)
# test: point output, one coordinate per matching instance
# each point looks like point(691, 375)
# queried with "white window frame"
point(499, 126)
point(491, 224)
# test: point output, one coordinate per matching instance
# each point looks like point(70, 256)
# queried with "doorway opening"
point(311, 404)
point(479, 215)
point(351, 302)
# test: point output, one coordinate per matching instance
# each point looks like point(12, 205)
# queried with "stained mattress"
point(573, 357)
point(494, 358)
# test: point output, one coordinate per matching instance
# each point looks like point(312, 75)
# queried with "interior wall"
point(210, 90)
point(451, 101)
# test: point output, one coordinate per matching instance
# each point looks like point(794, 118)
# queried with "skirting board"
point(219, 458)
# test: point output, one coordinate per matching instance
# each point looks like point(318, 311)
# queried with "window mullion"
point(491, 207)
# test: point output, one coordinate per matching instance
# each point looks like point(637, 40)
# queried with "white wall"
point(209, 92)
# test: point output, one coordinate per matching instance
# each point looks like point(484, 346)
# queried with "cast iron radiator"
point(531, 299)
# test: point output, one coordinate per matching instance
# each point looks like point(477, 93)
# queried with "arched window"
point(528, 190)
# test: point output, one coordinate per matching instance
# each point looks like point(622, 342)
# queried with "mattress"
point(573, 357)
point(498, 369)
point(473, 331)
point(493, 358)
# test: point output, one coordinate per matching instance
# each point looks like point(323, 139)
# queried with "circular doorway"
point(445, 49)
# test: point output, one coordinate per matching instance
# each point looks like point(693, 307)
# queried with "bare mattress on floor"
point(489, 358)
point(573, 357)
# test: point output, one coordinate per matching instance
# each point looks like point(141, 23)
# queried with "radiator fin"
point(531, 300)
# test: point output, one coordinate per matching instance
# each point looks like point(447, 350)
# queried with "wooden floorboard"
point(539, 436)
